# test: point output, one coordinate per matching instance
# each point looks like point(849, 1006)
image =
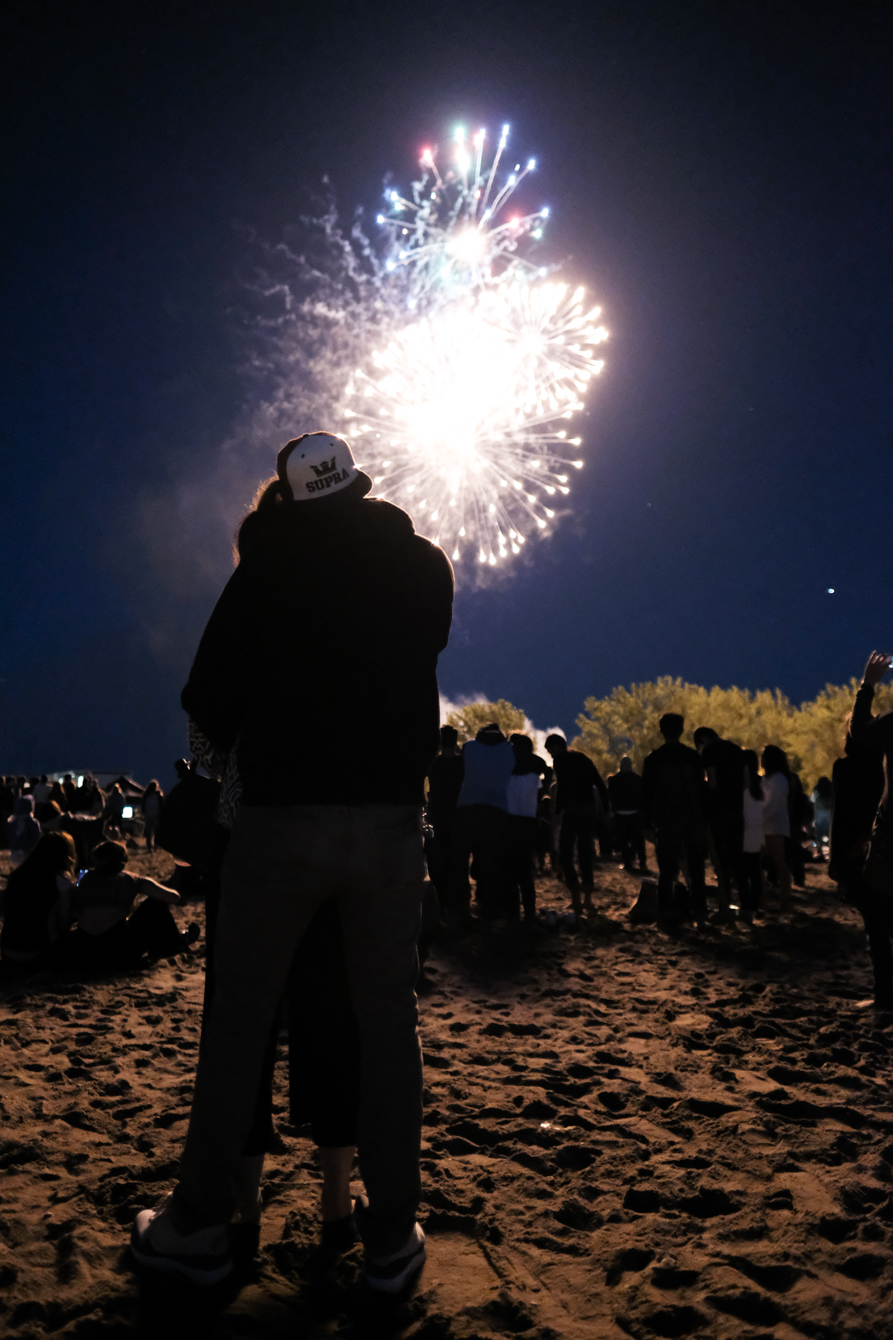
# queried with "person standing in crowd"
point(41, 790)
point(445, 777)
point(625, 793)
point(822, 799)
point(524, 788)
point(777, 817)
point(113, 810)
point(580, 793)
point(22, 829)
point(283, 677)
point(151, 805)
point(751, 885)
point(724, 765)
point(674, 792)
point(869, 746)
point(481, 828)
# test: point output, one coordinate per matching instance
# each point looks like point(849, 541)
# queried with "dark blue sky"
point(720, 177)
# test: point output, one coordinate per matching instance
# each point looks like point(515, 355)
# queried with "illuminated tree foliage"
point(625, 722)
point(469, 719)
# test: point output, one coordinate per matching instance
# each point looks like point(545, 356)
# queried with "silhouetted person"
point(523, 794)
point(674, 790)
point(37, 903)
point(724, 765)
point(111, 932)
point(151, 806)
point(481, 825)
point(777, 817)
point(625, 792)
point(750, 889)
point(874, 885)
point(22, 829)
point(445, 775)
point(337, 614)
point(578, 783)
point(822, 800)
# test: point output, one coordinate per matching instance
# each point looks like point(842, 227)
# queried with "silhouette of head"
point(671, 726)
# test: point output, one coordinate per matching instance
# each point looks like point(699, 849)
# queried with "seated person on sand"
point(110, 932)
point(37, 903)
point(22, 829)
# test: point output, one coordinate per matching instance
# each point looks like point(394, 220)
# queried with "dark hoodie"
point(327, 633)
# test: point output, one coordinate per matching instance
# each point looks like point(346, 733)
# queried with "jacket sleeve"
point(223, 671)
point(867, 728)
point(599, 783)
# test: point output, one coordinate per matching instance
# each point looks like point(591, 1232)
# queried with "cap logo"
point(324, 468)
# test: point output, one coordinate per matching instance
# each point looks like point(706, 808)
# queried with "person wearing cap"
point(335, 615)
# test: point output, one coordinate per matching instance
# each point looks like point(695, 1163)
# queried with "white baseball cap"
point(318, 465)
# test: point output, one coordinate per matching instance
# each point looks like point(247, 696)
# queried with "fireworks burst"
point(467, 361)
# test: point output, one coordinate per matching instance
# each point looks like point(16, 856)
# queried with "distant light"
point(127, 812)
point(830, 590)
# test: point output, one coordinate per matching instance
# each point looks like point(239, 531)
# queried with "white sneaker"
point(203, 1257)
point(388, 1274)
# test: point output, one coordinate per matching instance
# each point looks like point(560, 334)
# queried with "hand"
point(878, 664)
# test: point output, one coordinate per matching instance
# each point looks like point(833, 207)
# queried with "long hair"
point(52, 854)
point(261, 509)
point(775, 760)
point(752, 763)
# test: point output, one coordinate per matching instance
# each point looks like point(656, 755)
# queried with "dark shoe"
point(202, 1257)
point(390, 1274)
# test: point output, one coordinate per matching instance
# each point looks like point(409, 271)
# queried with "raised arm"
point(864, 726)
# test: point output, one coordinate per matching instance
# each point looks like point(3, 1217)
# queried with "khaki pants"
point(281, 864)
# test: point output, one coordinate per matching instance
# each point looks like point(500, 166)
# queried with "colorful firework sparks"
point(461, 414)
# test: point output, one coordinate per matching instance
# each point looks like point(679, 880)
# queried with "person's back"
point(23, 830)
point(625, 792)
point(334, 615)
point(674, 787)
point(488, 764)
point(36, 904)
point(445, 775)
point(579, 780)
point(724, 762)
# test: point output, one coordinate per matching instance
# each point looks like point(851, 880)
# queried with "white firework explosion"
point(467, 362)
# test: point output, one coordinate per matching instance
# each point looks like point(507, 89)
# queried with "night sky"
point(719, 175)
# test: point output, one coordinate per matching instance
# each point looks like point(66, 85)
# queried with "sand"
point(627, 1134)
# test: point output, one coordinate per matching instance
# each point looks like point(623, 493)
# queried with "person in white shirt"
point(524, 787)
point(751, 890)
point(776, 816)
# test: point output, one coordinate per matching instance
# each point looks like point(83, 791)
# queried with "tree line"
point(625, 722)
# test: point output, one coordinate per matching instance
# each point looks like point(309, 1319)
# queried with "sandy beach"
point(627, 1134)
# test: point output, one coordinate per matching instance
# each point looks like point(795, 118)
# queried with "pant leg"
point(523, 838)
point(567, 843)
point(380, 912)
point(491, 856)
point(696, 853)
point(668, 848)
point(280, 864)
point(459, 882)
point(877, 915)
point(152, 929)
point(751, 881)
point(587, 827)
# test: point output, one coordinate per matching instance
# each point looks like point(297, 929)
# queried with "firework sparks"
point(461, 417)
point(445, 351)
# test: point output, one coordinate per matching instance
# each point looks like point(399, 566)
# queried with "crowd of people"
point(497, 809)
point(315, 870)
